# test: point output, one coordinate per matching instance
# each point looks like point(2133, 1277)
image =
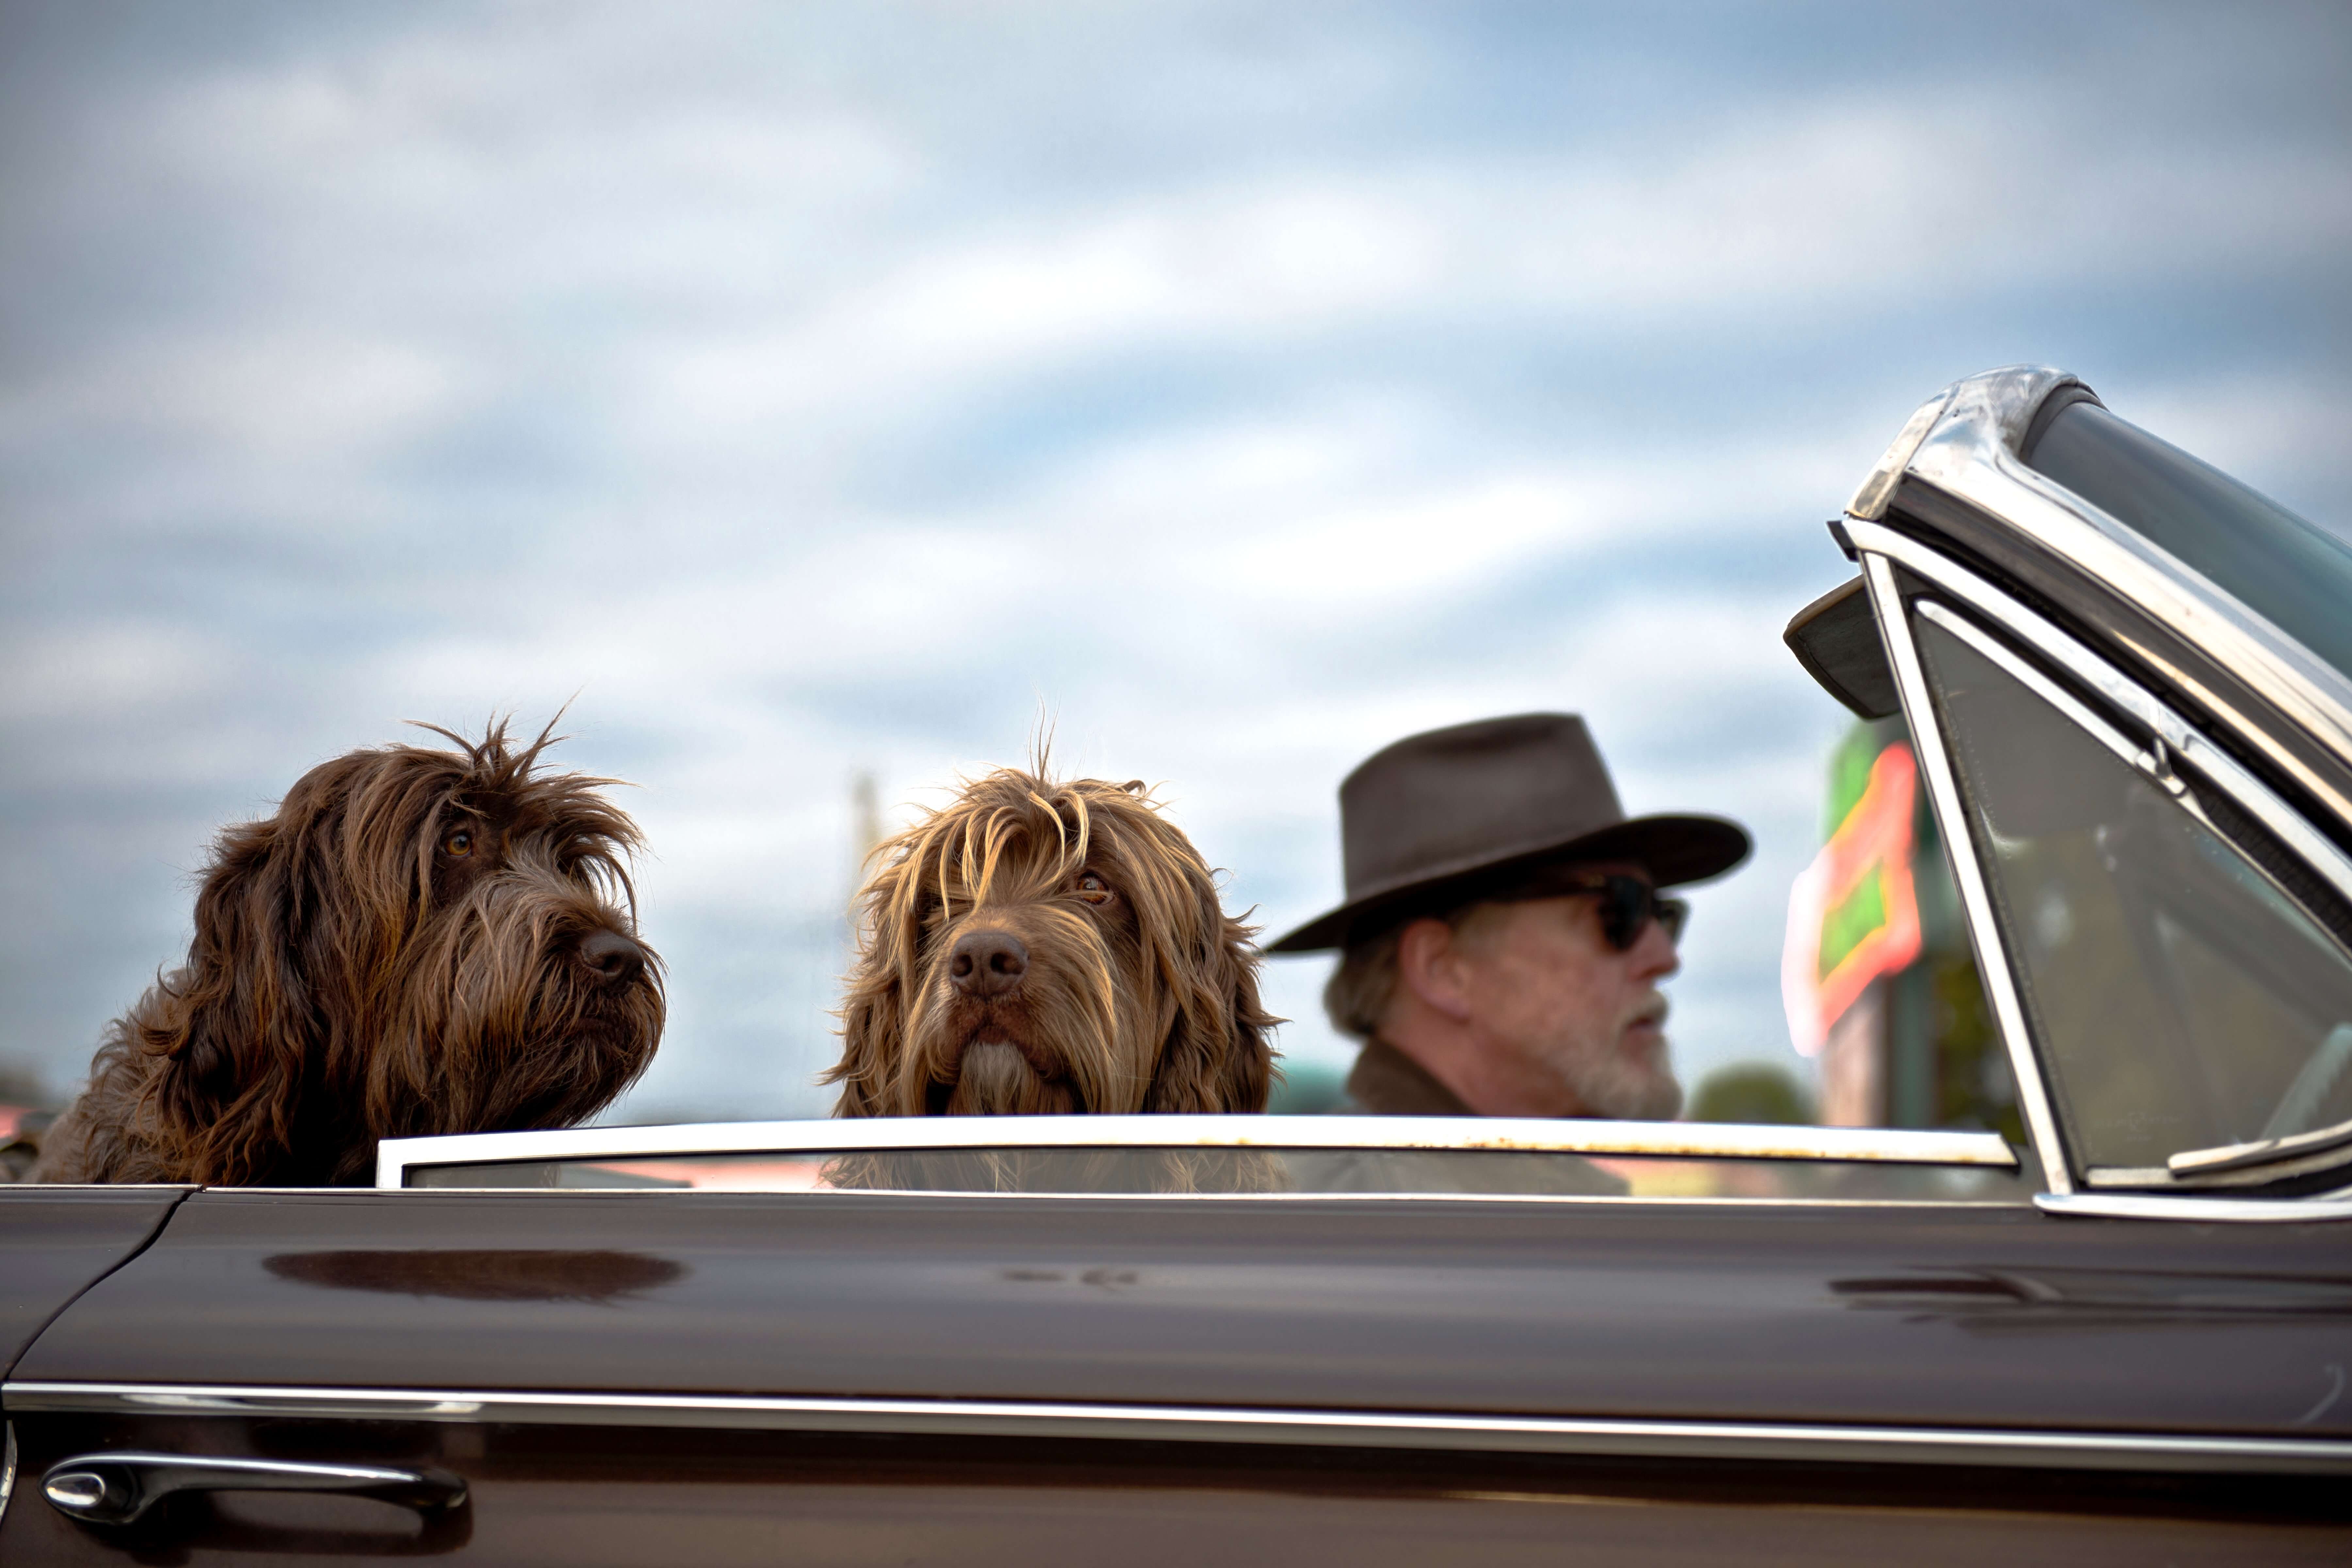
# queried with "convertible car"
point(1364, 1341)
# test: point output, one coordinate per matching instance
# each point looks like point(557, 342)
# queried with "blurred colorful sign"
point(1852, 914)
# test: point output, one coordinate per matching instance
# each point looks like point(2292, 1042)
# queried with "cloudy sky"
point(803, 391)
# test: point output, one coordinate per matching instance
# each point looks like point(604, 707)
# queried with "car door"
point(660, 1375)
point(56, 1242)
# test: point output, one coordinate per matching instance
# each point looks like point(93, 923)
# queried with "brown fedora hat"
point(1439, 819)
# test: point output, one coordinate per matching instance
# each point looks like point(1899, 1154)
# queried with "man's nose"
point(987, 963)
point(1653, 955)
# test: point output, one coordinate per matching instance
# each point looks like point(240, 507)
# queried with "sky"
point(808, 392)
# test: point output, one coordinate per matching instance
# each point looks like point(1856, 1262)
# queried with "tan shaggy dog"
point(1040, 948)
point(416, 942)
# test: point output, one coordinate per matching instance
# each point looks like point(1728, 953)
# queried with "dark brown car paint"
point(55, 1242)
point(1942, 1316)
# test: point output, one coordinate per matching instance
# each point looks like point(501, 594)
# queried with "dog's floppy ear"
point(295, 914)
point(1248, 1076)
point(871, 1021)
point(873, 1013)
point(231, 1029)
point(1216, 1058)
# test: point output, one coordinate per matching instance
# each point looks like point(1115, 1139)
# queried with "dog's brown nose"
point(612, 956)
point(987, 963)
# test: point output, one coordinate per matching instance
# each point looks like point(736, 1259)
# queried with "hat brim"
point(1673, 849)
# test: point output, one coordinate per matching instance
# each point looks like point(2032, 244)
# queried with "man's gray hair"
point(1358, 995)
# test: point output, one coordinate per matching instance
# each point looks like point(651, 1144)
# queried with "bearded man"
point(1503, 936)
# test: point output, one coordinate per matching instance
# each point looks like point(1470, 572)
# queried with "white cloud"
point(96, 671)
point(1860, 200)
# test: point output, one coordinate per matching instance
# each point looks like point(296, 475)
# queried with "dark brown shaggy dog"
point(1041, 948)
point(418, 942)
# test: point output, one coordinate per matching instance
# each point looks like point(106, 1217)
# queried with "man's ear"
point(1429, 964)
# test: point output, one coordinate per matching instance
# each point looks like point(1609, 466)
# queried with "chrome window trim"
point(2256, 798)
point(1818, 1442)
point(7, 1465)
point(2018, 669)
point(2322, 1209)
point(1993, 967)
point(1681, 1139)
point(1877, 490)
point(871, 1194)
point(1969, 453)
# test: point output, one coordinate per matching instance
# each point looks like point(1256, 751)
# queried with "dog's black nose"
point(612, 956)
point(987, 963)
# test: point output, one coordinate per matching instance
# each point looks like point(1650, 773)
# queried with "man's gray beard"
point(1620, 1087)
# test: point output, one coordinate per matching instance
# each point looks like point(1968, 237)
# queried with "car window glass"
point(2181, 999)
point(2293, 574)
point(1250, 1171)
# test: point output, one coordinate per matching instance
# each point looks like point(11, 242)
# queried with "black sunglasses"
point(1628, 905)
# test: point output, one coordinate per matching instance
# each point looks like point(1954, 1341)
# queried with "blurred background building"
point(1877, 978)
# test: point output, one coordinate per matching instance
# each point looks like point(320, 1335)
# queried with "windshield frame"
point(2129, 720)
point(1968, 454)
point(2288, 572)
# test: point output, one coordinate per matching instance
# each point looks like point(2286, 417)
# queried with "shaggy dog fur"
point(1043, 948)
point(417, 942)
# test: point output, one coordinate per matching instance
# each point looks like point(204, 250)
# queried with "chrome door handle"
point(117, 1488)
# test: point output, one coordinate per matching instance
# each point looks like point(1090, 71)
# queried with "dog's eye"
point(1094, 889)
point(458, 843)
